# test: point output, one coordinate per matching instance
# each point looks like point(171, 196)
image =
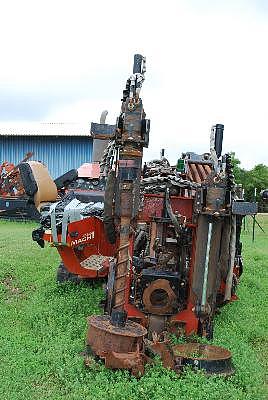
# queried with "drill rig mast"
point(119, 341)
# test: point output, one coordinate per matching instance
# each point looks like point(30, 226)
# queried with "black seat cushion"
point(28, 180)
point(65, 179)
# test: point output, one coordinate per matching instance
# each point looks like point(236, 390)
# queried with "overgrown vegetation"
point(43, 328)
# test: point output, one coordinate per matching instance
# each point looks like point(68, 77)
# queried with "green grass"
point(43, 329)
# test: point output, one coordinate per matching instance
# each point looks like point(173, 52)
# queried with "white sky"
point(207, 62)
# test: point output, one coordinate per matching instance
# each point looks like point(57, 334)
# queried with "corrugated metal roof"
point(44, 129)
point(197, 172)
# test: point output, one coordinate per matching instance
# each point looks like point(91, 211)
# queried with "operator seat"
point(38, 184)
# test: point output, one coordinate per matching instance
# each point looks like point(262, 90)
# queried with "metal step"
point(94, 261)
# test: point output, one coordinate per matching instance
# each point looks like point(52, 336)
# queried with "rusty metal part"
point(120, 347)
point(225, 245)
point(156, 324)
point(10, 180)
point(198, 172)
point(215, 200)
point(232, 250)
point(122, 264)
point(153, 233)
point(133, 361)
point(194, 172)
point(130, 152)
point(158, 298)
point(164, 350)
point(212, 359)
point(122, 339)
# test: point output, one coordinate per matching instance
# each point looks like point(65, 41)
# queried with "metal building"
point(60, 146)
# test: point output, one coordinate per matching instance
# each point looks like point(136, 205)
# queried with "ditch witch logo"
point(85, 238)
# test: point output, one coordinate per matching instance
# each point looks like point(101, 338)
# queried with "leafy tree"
point(257, 178)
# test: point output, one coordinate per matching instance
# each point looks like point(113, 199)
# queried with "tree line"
point(257, 178)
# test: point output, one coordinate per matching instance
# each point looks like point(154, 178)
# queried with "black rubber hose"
point(108, 219)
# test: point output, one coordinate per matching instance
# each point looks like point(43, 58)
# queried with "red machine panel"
point(85, 238)
point(152, 207)
point(183, 206)
point(154, 203)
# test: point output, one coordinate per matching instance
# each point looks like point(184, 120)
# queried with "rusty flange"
point(120, 347)
point(212, 359)
point(159, 298)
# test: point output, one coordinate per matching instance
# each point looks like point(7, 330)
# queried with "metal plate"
point(244, 208)
point(102, 130)
point(94, 262)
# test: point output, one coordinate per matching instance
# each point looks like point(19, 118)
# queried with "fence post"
point(254, 217)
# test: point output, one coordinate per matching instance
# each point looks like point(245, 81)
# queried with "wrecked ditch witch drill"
point(178, 250)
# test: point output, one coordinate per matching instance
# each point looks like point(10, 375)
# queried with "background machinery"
point(14, 201)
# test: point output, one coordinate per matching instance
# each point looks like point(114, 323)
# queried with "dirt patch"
point(9, 282)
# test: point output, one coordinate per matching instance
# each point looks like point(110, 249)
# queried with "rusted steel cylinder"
point(103, 337)
point(213, 359)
